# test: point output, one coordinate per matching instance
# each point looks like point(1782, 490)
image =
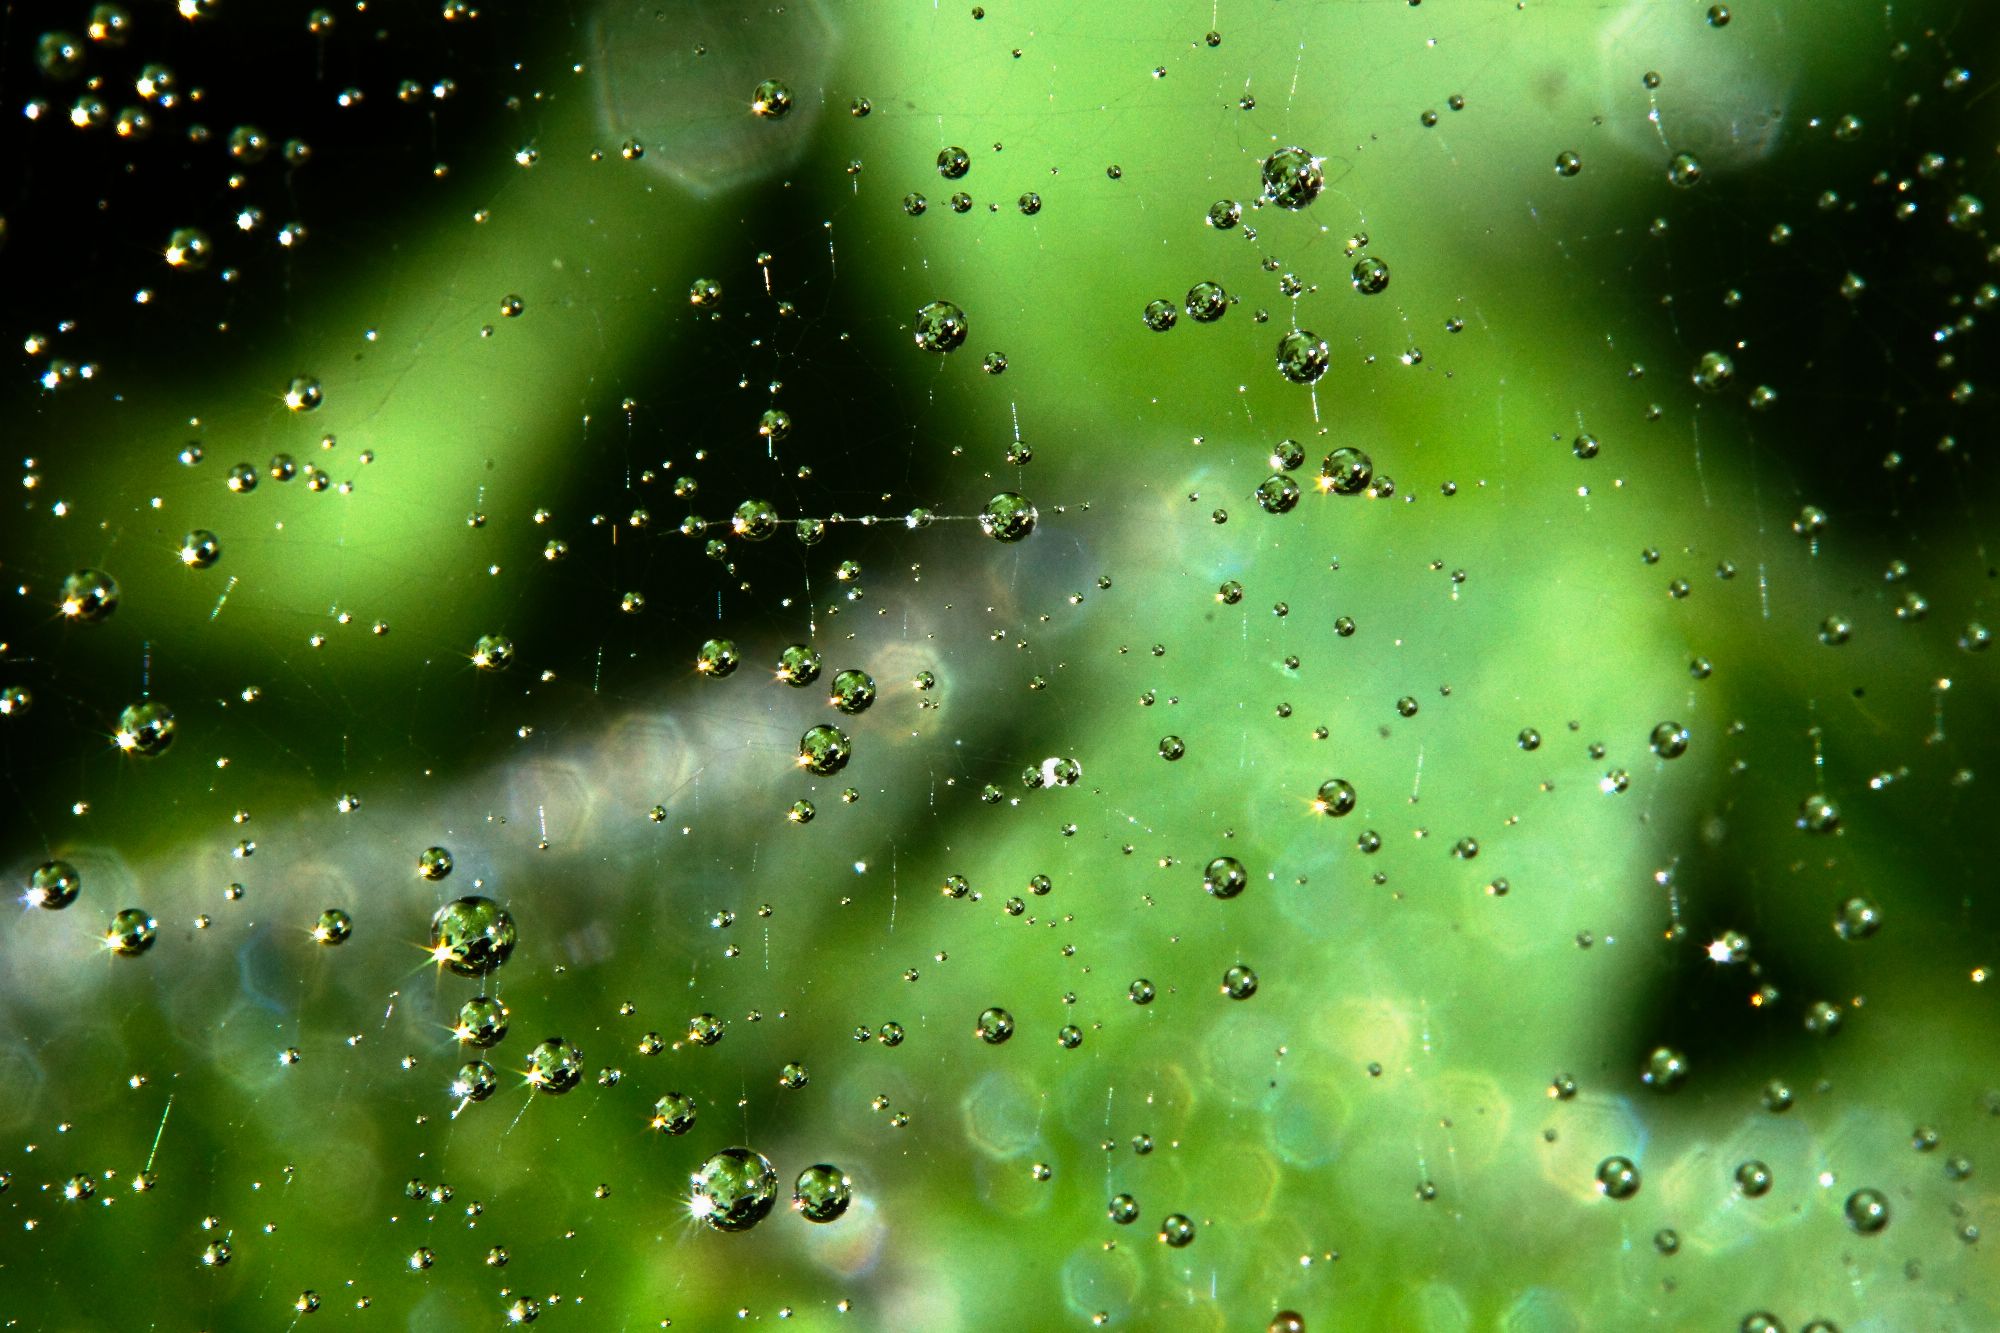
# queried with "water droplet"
point(1867, 1211)
point(1713, 371)
point(1670, 740)
point(1176, 1230)
point(1617, 1178)
point(88, 595)
point(475, 1081)
point(200, 549)
point(772, 100)
point(754, 520)
point(734, 1190)
point(493, 652)
point(1370, 276)
point(1277, 494)
point(822, 1193)
point(554, 1066)
point(1858, 919)
point(995, 1026)
point(59, 55)
point(799, 665)
point(472, 936)
point(1239, 982)
point(1346, 471)
point(1753, 1180)
point(941, 327)
point(333, 927)
point(1293, 178)
point(131, 932)
point(53, 885)
point(1666, 1069)
point(1302, 356)
point(1817, 814)
point(188, 248)
point(482, 1022)
point(824, 750)
point(1225, 877)
point(717, 658)
point(1207, 302)
point(674, 1113)
point(145, 729)
point(1335, 797)
point(1007, 517)
point(1568, 163)
point(434, 864)
point(853, 690)
point(304, 394)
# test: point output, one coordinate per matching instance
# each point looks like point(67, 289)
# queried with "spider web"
point(1577, 532)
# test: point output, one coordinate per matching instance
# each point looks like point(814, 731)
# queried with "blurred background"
point(833, 519)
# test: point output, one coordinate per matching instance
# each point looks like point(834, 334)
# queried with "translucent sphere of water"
point(822, 1193)
point(53, 885)
point(145, 729)
point(1007, 517)
point(1293, 178)
point(472, 936)
point(1303, 356)
point(941, 327)
point(734, 1190)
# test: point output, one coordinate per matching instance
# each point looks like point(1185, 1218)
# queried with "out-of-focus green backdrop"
point(485, 251)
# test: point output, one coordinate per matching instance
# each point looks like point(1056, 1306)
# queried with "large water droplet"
point(1293, 178)
point(941, 327)
point(1302, 356)
point(734, 1190)
point(472, 936)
